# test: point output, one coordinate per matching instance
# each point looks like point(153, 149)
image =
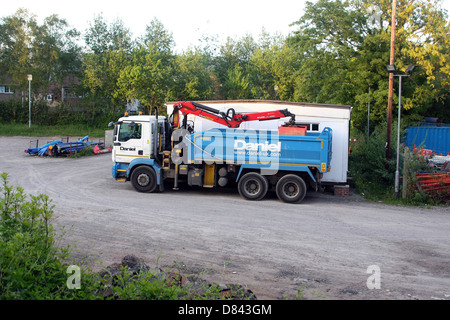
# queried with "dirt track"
point(320, 249)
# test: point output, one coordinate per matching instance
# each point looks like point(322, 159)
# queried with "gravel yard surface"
point(327, 247)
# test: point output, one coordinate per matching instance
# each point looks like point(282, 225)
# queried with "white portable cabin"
point(315, 116)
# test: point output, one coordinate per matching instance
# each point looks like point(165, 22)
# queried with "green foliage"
point(145, 286)
point(336, 55)
point(102, 36)
point(415, 164)
point(33, 266)
point(230, 67)
point(85, 152)
point(49, 51)
point(143, 78)
point(30, 263)
point(17, 129)
point(343, 47)
point(80, 114)
point(373, 175)
point(158, 37)
point(192, 78)
point(237, 84)
point(16, 33)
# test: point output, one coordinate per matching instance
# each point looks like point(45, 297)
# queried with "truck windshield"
point(129, 130)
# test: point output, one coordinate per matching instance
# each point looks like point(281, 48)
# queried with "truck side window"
point(129, 131)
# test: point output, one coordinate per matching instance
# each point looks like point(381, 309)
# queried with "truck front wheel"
point(253, 186)
point(291, 188)
point(143, 179)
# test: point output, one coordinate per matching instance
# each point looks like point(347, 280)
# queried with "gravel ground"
point(324, 248)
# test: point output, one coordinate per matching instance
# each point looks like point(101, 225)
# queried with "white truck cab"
point(134, 138)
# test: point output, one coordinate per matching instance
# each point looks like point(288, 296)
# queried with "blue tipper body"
point(262, 149)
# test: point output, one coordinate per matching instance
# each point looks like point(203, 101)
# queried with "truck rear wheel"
point(253, 186)
point(143, 179)
point(291, 188)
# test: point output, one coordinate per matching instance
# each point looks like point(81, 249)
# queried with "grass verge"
point(49, 131)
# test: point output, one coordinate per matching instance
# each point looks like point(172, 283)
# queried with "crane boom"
point(230, 118)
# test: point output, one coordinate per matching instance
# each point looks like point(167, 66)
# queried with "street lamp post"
point(397, 173)
point(392, 69)
point(29, 77)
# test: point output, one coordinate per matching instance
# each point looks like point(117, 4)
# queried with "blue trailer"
point(58, 147)
point(150, 151)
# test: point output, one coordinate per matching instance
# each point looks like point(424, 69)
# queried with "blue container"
point(436, 138)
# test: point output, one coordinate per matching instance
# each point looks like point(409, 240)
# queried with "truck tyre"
point(143, 179)
point(253, 186)
point(291, 188)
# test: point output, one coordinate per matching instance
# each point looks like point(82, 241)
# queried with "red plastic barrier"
point(436, 185)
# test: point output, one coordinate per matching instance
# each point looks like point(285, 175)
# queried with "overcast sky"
point(188, 20)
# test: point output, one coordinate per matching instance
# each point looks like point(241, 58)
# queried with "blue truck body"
point(262, 149)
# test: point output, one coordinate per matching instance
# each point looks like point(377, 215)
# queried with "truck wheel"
point(253, 186)
point(143, 179)
point(291, 188)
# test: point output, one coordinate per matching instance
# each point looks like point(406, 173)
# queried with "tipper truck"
point(155, 152)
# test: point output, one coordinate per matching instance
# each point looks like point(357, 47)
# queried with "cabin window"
point(129, 130)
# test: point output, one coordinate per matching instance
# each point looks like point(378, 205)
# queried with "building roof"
point(300, 104)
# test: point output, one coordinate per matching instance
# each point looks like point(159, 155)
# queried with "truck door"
point(129, 142)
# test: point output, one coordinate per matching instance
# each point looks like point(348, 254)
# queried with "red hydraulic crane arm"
point(230, 119)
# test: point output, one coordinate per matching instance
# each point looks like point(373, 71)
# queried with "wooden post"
point(391, 83)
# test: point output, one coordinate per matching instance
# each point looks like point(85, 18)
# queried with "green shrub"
point(30, 263)
point(417, 163)
point(80, 114)
point(374, 176)
point(372, 173)
point(34, 267)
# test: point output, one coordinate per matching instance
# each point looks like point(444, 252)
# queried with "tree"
point(109, 49)
point(272, 68)
point(193, 80)
point(327, 43)
point(57, 54)
point(230, 67)
point(16, 42)
point(427, 31)
point(237, 84)
point(48, 51)
point(158, 37)
point(143, 78)
point(101, 71)
point(343, 47)
point(101, 37)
